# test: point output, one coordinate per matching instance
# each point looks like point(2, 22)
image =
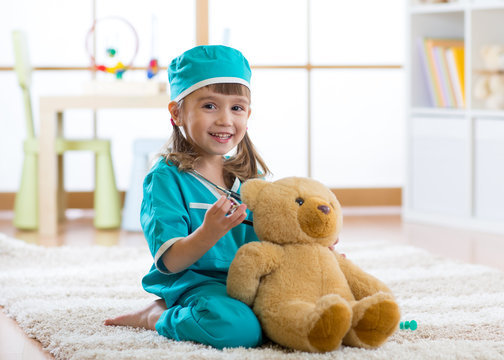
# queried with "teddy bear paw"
point(378, 320)
point(332, 325)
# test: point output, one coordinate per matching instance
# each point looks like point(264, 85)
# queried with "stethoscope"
point(234, 197)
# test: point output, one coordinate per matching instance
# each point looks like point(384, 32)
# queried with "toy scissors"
point(234, 197)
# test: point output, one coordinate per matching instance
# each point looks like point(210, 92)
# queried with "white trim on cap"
point(216, 80)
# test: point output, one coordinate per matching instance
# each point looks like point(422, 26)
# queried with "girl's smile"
point(222, 138)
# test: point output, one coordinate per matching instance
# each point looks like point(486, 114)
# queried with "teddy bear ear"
point(250, 191)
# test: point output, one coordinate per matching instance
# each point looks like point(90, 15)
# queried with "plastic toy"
point(408, 325)
point(153, 68)
point(108, 62)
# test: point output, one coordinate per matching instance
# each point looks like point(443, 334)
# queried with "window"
point(327, 85)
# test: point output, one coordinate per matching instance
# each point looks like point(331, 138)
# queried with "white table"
point(52, 109)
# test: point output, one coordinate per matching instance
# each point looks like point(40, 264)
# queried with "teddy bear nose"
point(325, 209)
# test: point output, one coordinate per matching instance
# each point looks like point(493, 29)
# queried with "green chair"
point(106, 197)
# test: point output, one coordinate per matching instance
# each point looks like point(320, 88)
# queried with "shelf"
point(487, 114)
point(421, 111)
point(454, 175)
point(487, 5)
point(476, 113)
point(456, 7)
point(438, 8)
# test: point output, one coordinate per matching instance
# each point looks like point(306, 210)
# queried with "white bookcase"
point(455, 157)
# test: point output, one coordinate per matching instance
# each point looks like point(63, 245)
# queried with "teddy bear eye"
point(300, 201)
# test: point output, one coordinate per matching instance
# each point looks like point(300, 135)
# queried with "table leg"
point(48, 179)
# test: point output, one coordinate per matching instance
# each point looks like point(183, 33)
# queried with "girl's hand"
point(218, 223)
point(333, 247)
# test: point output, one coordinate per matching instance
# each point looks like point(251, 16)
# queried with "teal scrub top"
point(174, 205)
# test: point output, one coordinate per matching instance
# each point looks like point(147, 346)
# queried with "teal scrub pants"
point(206, 314)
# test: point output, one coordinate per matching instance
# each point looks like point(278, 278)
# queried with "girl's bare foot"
point(145, 318)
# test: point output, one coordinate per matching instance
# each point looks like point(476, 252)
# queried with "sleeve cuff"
point(158, 262)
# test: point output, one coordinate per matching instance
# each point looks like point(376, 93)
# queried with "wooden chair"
point(106, 197)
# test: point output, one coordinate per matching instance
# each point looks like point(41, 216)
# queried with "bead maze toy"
point(107, 60)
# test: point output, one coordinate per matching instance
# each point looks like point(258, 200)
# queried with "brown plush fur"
point(306, 296)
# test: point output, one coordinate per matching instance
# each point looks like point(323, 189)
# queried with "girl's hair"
point(242, 165)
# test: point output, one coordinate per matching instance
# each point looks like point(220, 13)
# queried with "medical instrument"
point(232, 196)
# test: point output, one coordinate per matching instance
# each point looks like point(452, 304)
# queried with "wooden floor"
point(359, 224)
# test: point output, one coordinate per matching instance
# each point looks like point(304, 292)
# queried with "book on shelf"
point(446, 78)
point(455, 58)
point(443, 66)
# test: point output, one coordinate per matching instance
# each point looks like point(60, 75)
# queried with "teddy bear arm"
point(361, 283)
point(252, 261)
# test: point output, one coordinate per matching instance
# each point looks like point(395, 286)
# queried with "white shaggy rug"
point(60, 296)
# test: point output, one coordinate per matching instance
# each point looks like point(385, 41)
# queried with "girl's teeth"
point(222, 136)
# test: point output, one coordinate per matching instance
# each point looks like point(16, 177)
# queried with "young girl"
point(192, 228)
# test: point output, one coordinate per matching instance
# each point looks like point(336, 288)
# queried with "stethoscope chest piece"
point(230, 195)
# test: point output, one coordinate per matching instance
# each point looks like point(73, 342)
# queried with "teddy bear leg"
point(375, 318)
point(306, 326)
point(334, 317)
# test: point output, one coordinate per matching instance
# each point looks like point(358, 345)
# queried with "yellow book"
point(454, 77)
point(458, 54)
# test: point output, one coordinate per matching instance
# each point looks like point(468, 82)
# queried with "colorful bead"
point(111, 52)
point(411, 325)
point(153, 68)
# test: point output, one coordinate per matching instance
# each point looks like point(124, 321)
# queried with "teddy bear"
point(305, 295)
point(489, 84)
